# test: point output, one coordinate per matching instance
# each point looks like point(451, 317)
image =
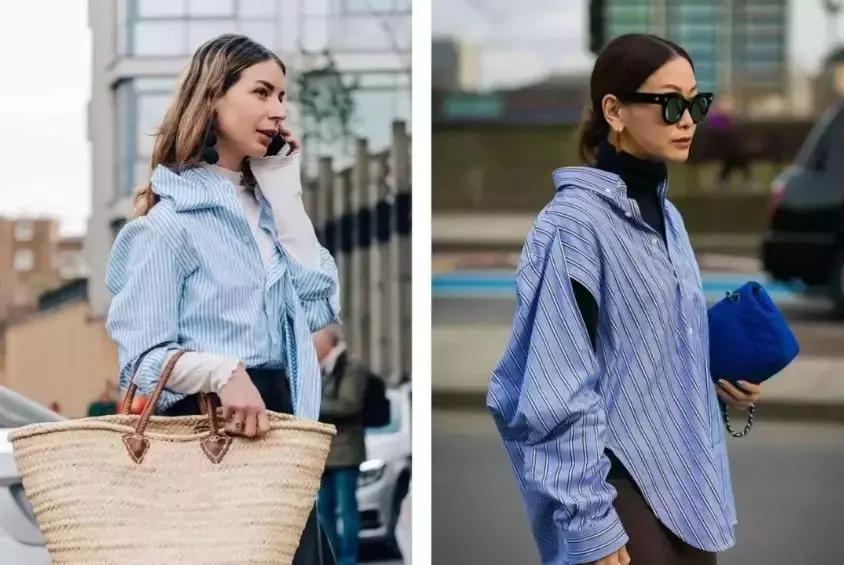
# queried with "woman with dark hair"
point(603, 396)
point(220, 258)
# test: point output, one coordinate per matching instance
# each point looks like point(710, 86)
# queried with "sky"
point(45, 56)
point(44, 152)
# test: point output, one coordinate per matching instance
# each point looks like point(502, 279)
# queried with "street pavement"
point(786, 477)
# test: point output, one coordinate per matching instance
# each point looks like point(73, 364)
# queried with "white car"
point(20, 541)
point(385, 476)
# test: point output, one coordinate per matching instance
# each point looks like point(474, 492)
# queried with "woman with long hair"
point(220, 258)
point(603, 396)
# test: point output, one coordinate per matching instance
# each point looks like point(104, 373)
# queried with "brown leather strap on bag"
point(214, 446)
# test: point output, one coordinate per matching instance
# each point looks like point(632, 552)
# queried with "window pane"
point(199, 32)
point(151, 109)
point(158, 84)
point(316, 8)
point(24, 260)
point(315, 34)
point(263, 33)
point(369, 6)
point(160, 8)
point(211, 8)
point(365, 33)
point(24, 230)
point(141, 173)
point(257, 8)
point(159, 38)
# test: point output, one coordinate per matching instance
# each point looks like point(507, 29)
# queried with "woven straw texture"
point(95, 505)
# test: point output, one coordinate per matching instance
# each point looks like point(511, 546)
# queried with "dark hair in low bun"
point(622, 66)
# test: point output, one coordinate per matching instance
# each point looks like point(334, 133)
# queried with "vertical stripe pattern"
point(189, 275)
point(645, 391)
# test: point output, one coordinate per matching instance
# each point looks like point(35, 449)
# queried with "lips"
point(268, 133)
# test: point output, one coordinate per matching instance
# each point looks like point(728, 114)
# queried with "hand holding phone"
point(276, 145)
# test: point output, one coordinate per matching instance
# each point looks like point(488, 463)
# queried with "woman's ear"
point(612, 113)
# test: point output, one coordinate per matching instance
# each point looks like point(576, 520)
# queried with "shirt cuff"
point(199, 371)
point(597, 540)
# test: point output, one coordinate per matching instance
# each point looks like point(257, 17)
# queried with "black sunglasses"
point(674, 105)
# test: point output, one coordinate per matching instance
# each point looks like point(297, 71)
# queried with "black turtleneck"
point(642, 179)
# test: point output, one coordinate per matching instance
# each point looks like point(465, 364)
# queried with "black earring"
point(209, 154)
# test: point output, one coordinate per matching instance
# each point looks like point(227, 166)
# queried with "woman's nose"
point(278, 111)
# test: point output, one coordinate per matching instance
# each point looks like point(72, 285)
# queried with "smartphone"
point(275, 145)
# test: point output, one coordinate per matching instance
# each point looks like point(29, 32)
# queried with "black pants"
point(314, 547)
point(651, 543)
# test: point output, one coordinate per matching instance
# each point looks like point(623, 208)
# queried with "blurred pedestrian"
point(727, 141)
point(105, 404)
point(221, 258)
point(343, 386)
point(603, 396)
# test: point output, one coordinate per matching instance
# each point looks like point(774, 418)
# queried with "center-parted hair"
point(214, 68)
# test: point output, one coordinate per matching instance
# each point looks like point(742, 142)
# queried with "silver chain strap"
point(751, 412)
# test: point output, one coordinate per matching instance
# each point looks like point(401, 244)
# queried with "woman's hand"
point(736, 398)
point(243, 406)
point(289, 138)
point(619, 557)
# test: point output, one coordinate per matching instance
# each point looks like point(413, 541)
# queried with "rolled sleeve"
point(145, 277)
point(319, 292)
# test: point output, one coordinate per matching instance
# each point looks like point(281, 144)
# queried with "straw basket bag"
point(147, 489)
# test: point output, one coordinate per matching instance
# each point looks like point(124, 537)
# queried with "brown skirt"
point(651, 543)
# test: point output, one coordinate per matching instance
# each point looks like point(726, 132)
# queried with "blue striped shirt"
point(644, 392)
point(189, 275)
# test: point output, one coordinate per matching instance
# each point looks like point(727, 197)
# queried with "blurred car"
point(385, 476)
point(20, 541)
point(805, 239)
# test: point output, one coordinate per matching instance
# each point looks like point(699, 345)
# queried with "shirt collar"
point(608, 185)
point(196, 188)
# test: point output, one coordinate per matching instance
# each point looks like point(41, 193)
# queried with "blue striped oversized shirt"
point(644, 392)
point(189, 275)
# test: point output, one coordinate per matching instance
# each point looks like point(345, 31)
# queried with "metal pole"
point(404, 264)
point(360, 273)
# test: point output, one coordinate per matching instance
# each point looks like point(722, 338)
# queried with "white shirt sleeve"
point(279, 178)
point(200, 372)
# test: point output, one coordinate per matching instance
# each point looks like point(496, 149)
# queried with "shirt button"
point(655, 241)
point(689, 330)
point(627, 214)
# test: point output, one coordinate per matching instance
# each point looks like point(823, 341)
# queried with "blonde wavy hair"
point(180, 139)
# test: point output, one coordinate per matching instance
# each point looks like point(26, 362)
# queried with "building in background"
point(454, 65)
point(34, 260)
point(738, 46)
point(361, 47)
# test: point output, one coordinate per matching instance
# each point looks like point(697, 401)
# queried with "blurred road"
point(473, 312)
point(786, 478)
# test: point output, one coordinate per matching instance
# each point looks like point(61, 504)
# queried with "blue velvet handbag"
point(749, 340)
